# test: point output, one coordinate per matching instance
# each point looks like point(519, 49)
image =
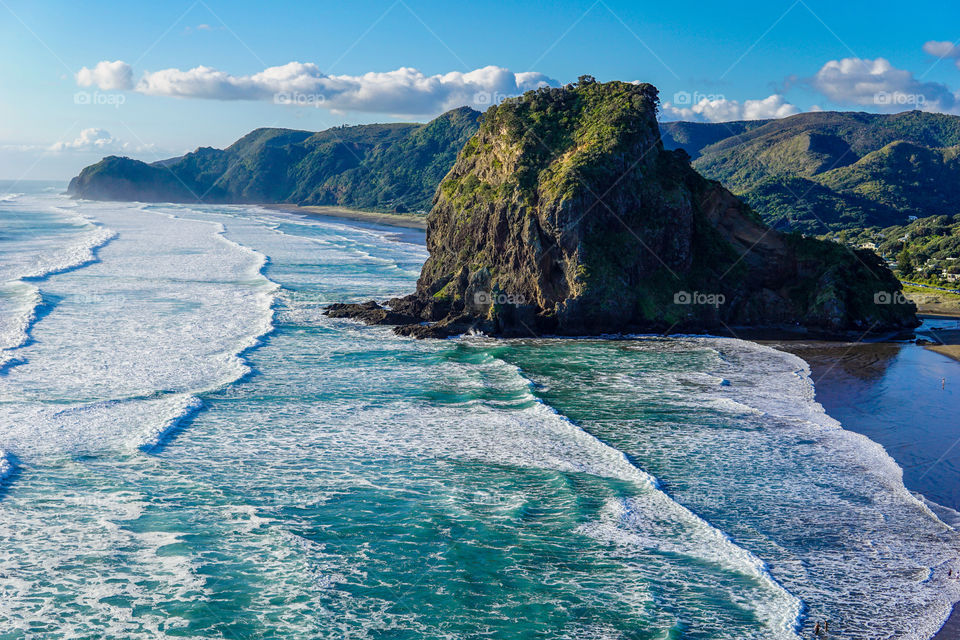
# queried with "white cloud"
point(403, 91)
point(107, 75)
point(99, 140)
point(941, 49)
point(90, 140)
point(879, 84)
point(720, 109)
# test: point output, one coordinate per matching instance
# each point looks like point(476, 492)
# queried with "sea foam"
point(134, 334)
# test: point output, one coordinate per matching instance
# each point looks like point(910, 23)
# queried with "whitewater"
point(189, 448)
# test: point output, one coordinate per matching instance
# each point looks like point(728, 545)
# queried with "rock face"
point(565, 215)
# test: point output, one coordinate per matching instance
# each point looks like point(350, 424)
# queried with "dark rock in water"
point(369, 312)
point(564, 215)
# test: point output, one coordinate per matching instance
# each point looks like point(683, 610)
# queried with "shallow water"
point(903, 396)
point(196, 451)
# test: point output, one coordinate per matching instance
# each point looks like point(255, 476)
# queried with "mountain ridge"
point(385, 167)
point(816, 172)
point(820, 172)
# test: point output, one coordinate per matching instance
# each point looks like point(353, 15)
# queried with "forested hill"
point(387, 167)
point(824, 171)
point(814, 172)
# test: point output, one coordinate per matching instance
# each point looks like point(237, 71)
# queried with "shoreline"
point(944, 339)
point(951, 628)
point(852, 381)
point(405, 220)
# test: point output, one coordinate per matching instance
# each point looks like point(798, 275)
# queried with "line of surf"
point(801, 405)
point(187, 405)
point(785, 619)
point(24, 286)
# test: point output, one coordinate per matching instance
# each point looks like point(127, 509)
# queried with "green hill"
point(823, 171)
point(813, 172)
point(387, 167)
point(927, 249)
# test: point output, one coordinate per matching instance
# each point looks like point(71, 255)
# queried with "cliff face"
point(565, 215)
point(387, 167)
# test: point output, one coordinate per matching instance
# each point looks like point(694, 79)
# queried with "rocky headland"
point(565, 215)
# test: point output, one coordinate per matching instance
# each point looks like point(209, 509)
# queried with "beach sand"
point(407, 220)
point(951, 628)
point(935, 303)
point(950, 350)
point(945, 339)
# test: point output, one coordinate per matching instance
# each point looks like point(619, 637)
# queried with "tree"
point(905, 262)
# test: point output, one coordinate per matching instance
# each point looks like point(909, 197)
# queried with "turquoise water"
point(193, 450)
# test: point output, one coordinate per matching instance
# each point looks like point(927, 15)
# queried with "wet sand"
point(951, 628)
point(901, 395)
point(945, 337)
point(407, 220)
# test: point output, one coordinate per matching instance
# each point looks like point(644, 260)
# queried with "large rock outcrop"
point(565, 215)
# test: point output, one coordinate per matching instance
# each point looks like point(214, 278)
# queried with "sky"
point(151, 80)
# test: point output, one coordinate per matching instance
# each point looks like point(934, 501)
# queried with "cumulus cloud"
point(402, 91)
point(879, 84)
point(720, 109)
point(99, 140)
point(942, 49)
point(107, 76)
point(91, 139)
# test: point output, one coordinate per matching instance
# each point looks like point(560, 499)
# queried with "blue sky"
point(173, 76)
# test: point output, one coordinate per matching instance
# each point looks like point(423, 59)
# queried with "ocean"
point(190, 449)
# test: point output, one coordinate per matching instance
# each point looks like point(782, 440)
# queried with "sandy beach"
point(944, 339)
point(408, 220)
point(934, 303)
